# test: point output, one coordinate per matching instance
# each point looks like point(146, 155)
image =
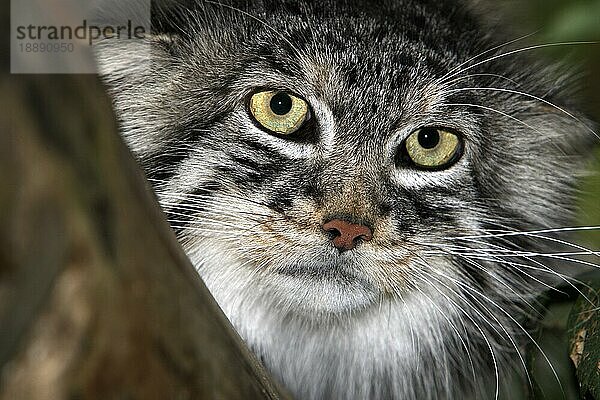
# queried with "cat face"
point(319, 160)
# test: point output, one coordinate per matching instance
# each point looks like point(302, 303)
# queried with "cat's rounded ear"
point(123, 59)
point(166, 23)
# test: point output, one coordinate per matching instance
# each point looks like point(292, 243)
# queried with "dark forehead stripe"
point(393, 69)
point(380, 28)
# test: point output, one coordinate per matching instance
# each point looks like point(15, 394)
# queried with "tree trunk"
point(97, 299)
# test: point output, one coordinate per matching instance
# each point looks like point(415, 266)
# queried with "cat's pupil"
point(281, 103)
point(429, 138)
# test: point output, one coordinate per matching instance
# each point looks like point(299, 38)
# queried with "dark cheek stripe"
point(163, 167)
point(194, 198)
point(164, 163)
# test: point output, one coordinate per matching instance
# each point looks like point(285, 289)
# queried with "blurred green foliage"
point(557, 21)
point(570, 21)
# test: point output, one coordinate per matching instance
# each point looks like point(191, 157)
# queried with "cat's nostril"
point(346, 235)
point(332, 232)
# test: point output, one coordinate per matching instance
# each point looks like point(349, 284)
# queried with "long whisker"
point(493, 110)
point(421, 276)
point(531, 96)
point(465, 77)
point(493, 303)
point(517, 233)
point(528, 48)
point(506, 285)
point(490, 50)
point(483, 318)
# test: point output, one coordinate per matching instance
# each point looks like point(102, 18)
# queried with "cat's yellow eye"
point(278, 112)
point(433, 147)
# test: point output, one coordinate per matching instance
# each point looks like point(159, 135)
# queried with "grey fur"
point(423, 311)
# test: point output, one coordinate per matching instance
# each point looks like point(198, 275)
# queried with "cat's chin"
point(319, 287)
point(321, 291)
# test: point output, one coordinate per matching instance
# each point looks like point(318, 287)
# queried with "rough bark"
point(97, 299)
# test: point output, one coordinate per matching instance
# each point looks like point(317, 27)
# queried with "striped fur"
point(441, 302)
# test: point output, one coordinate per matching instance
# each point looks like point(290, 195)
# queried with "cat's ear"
point(173, 25)
point(165, 26)
point(124, 59)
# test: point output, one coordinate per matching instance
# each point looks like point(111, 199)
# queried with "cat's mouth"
point(315, 293)
point(324, 286)
point(313, 279)
point(334, 272)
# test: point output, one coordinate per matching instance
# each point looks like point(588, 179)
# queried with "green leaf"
point(584, 340)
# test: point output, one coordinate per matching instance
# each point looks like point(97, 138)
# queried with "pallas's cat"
point(357, 182)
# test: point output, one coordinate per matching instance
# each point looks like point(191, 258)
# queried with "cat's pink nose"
point(346, 235)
